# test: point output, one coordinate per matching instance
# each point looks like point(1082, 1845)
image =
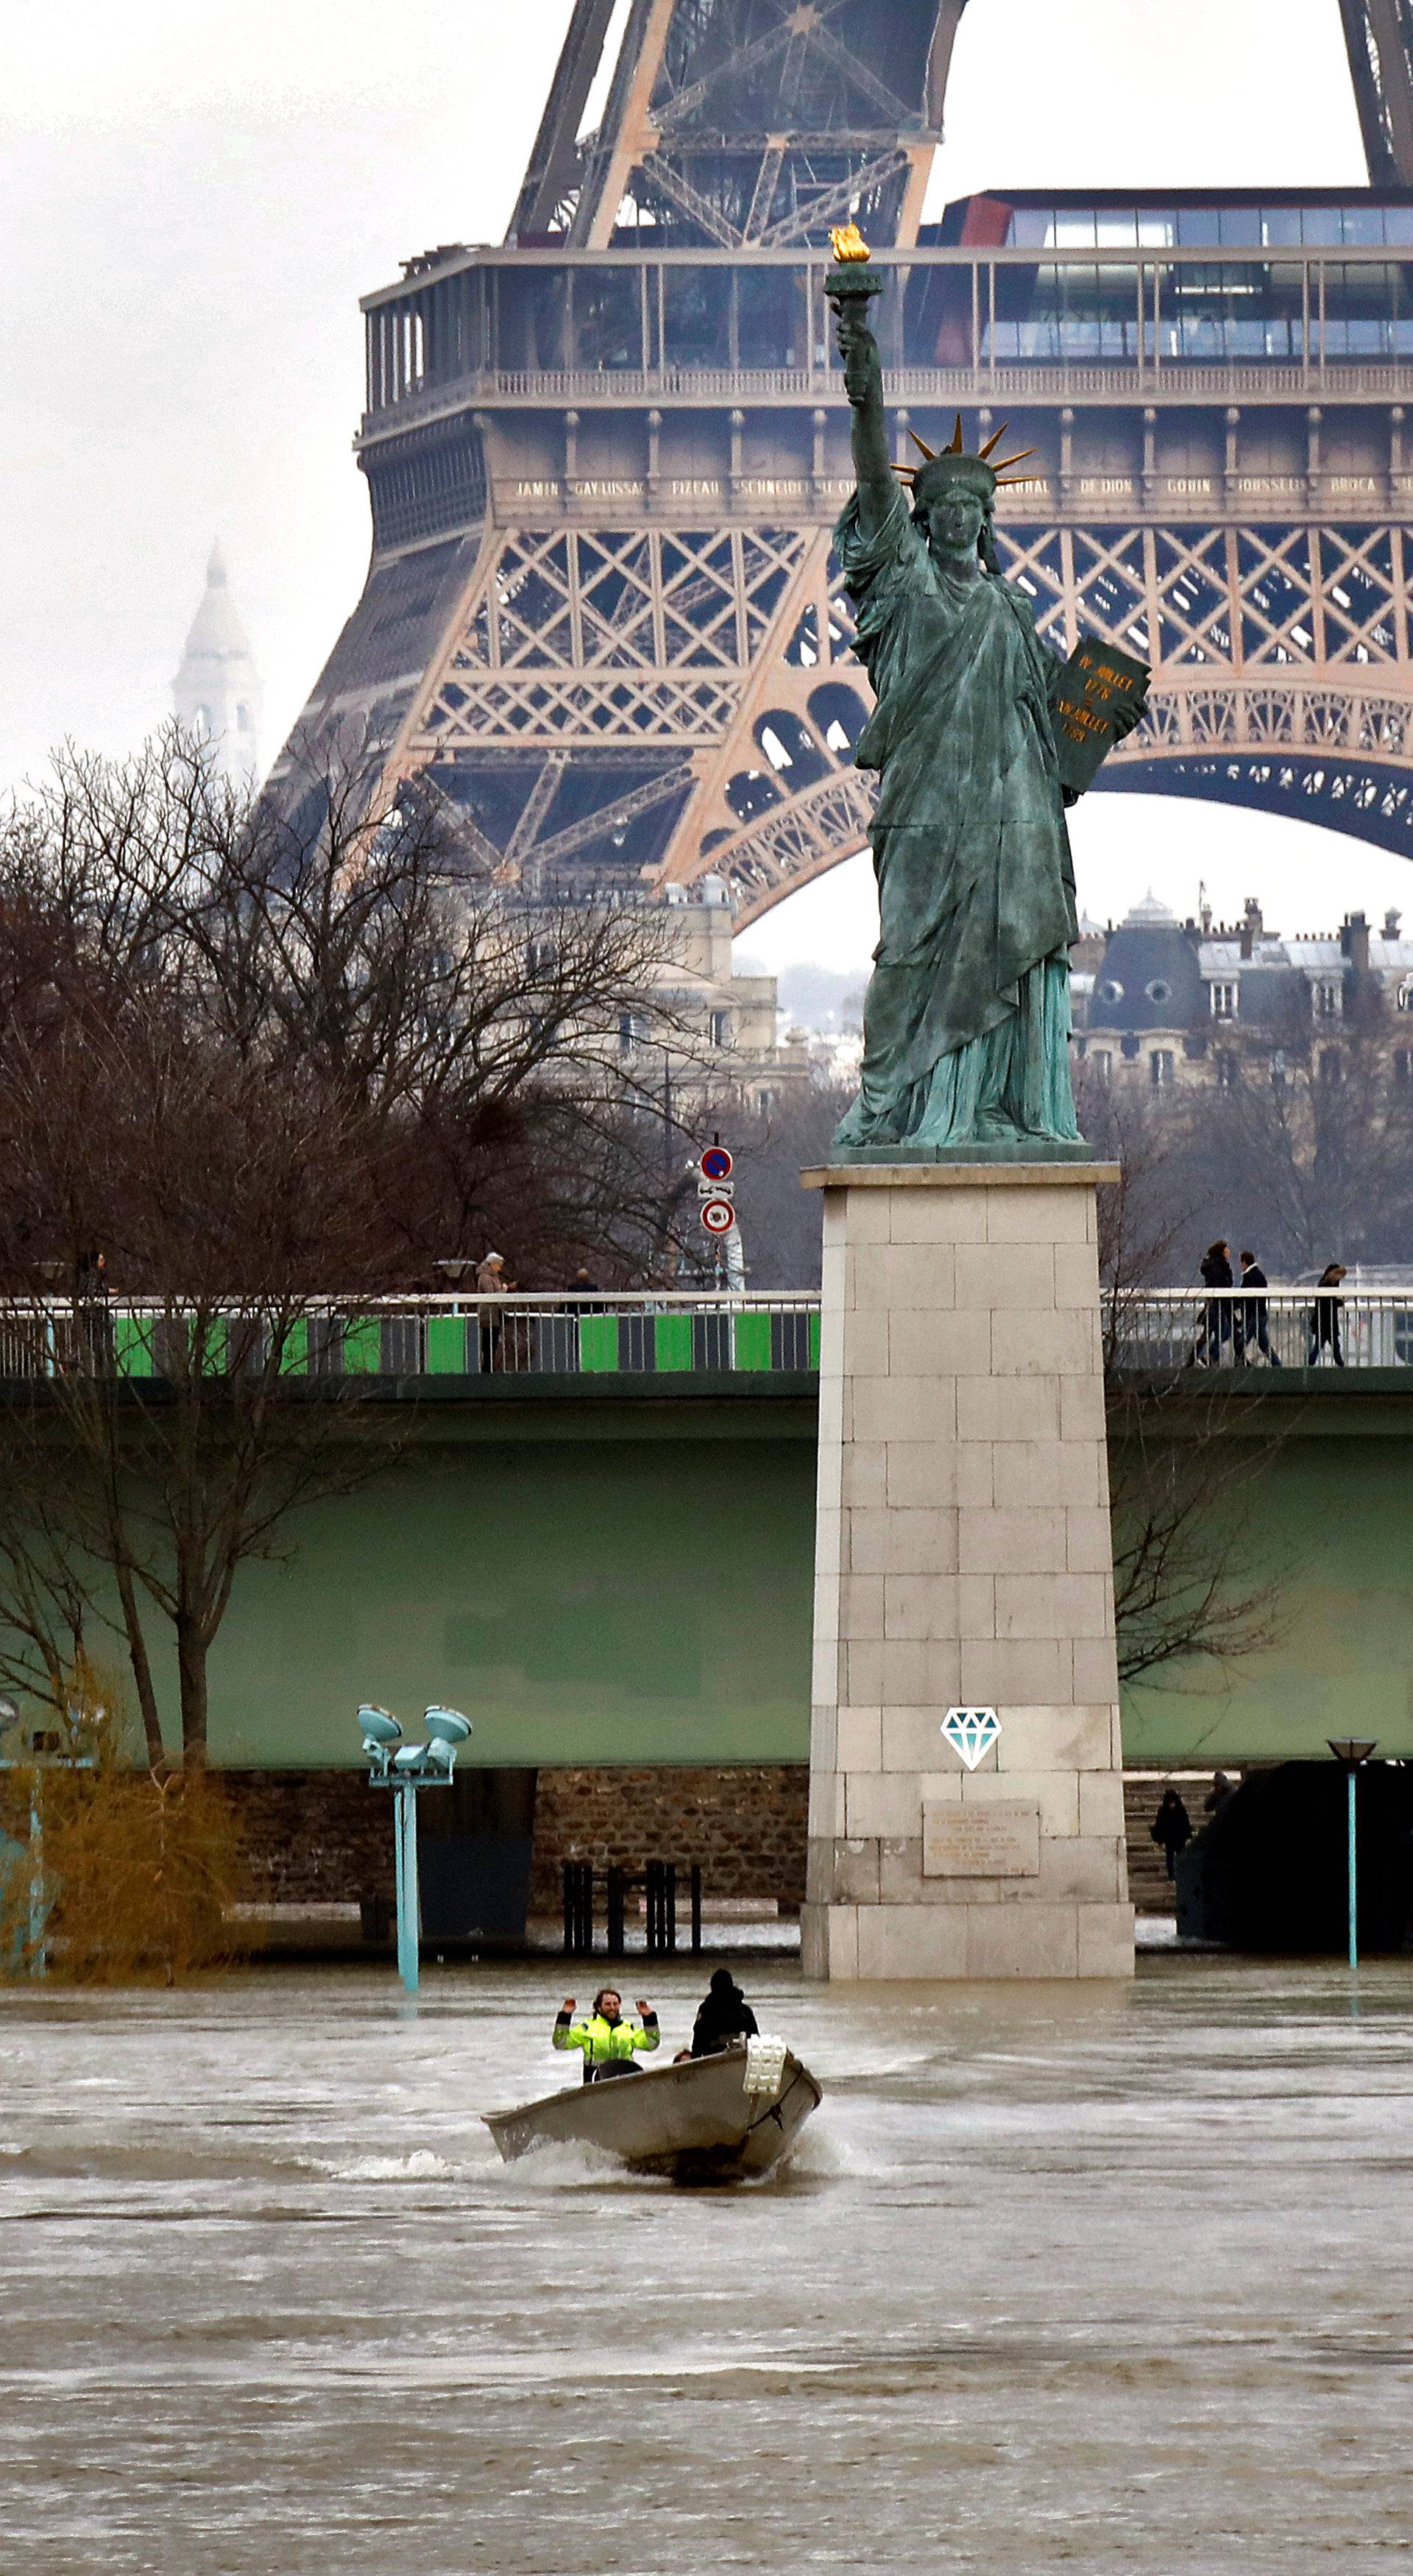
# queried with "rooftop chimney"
point(1354, 941)
point(1392, 923)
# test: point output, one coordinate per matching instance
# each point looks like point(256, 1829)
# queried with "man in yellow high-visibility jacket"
point(607, 2040)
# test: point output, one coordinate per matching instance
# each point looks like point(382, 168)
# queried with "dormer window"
point(1328, 1001)
point(1224, 997)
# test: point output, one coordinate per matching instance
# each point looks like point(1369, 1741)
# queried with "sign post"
point(716, 1213)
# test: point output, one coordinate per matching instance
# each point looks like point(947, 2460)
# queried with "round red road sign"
point(717, 1215)
point(716, 1163)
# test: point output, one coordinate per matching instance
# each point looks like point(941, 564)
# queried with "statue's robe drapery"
point(966, 1023)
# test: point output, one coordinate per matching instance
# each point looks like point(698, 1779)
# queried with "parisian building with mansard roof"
point(1167, 1005)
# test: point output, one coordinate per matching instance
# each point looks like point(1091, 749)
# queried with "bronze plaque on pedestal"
point(997, 1840)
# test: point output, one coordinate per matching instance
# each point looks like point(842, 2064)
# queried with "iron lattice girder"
point(677, 102)
point(716, 113)
point(1378, 35)
point(731, 644)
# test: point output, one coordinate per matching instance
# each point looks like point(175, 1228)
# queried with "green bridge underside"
point(620, 1571)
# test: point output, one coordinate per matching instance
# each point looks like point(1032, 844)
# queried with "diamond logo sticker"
point(971, 1732)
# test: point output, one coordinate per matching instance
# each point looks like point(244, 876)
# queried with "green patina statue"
point(967, 1020)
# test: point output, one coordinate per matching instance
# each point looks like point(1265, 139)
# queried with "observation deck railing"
point(1044, 381)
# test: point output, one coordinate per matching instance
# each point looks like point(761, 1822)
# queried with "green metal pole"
point(1353, 1779)
point(408, 1904)
point(37, 1962)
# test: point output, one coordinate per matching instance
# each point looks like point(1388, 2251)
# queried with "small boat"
point(711, 2119)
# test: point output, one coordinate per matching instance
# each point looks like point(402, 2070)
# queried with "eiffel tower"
point(604, 459)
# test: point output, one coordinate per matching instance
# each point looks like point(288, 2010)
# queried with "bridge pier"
point(963, 1564)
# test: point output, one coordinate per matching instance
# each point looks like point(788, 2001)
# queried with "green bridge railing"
point(434, 1337)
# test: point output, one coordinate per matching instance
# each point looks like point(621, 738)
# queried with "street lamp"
point(406, 1768)
point(1351, 1752)
point(38, 1910)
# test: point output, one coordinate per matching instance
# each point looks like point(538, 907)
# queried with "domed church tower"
point(216, 692)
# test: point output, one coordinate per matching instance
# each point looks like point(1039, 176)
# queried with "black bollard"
point(696, 1909)
point(662, 1906)
point(578, 1909)
point(616, 1903)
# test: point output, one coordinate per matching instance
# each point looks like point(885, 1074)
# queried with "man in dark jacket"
point(724, 2015)
point(1255, 1314)
point(1218, 1319)
point(1171, 1829)
point(1324, 1317)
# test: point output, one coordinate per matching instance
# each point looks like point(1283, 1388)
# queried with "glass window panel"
point(608, 325)
point(1363, 225)
point(937, 311)
point(1071, 228)
point(697, 317)
point(1030, 227)
point(887, 317)
point(1198, 225)
point(530, 318)
point(1361, 290)
point(1281, 225)
point(770, 317)
point(1240, 224)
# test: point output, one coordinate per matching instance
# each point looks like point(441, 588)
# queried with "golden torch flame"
point(847, 242)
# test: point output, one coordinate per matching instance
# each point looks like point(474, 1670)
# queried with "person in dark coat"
point(723, 2016)
point(1219, 1319)
point(1256, 1313)
point(1222, 1788)
point(1325, 1317)
point(1171, 1829)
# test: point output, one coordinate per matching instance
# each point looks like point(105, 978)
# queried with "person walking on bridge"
point(1218, 1319)
point(1256, 1313)
point(606, 2039)
point(1325, 1317)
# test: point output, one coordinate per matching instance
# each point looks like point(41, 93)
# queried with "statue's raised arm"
point(863, 383)
point(967, 1021)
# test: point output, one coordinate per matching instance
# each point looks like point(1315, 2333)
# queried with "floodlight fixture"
point(9, 1713)
point(379, 1727)
point(447, 1725)
point(1351, 1750)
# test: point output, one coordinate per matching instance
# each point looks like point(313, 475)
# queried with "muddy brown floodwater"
point(1111, 2281)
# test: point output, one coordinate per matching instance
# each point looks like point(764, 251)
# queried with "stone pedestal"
point(963, 1561)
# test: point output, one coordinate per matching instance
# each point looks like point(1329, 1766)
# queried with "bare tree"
point(1188, 1589)
point(780, 1221)
point(1182, 1471)
point(260, 1077)
point(1315, 1139)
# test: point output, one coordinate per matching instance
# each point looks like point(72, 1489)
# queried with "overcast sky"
point(193, 200)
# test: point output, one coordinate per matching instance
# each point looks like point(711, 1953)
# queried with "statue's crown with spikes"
point(953, 464)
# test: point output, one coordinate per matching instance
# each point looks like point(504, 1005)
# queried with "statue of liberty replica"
point(967, 1019)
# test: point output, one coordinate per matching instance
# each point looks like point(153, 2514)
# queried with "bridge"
point(594, 1529)
point(604, 458)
